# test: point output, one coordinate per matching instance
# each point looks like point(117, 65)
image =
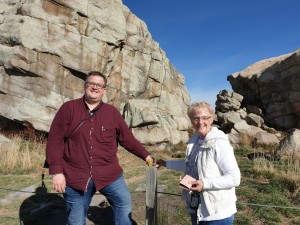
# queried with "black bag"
point(195, 200)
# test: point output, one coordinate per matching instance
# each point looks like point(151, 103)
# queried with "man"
point(87, 161)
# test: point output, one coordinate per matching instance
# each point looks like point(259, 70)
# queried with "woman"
point(210, 159)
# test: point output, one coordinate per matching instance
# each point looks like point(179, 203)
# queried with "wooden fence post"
point(151, 195)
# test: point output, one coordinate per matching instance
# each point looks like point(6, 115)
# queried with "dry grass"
point(288, 169)
point(21, 155)
point(246, 140)
point(291, 168)
point(9, 156)
point(262, 165)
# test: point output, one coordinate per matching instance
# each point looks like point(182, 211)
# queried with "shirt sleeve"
point(227, 163)
point(55, 143)
point(176, 165)
point(127, 139)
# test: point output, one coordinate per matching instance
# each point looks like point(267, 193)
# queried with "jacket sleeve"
point(228, 166)
point(178, 165)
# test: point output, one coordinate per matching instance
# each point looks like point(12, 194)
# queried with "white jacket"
point(218, 169)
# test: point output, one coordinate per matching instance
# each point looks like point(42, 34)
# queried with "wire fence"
point(151, 205)
point(171, 209)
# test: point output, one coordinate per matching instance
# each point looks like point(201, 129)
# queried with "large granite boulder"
point(290, 145)
point(47, 47)
point(273, 85)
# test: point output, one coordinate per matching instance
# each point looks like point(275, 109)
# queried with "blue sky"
point(207, 40)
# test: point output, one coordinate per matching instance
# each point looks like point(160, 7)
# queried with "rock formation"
point(273, 85)
point(291, 143)
point(236, 120)
point(47, 47)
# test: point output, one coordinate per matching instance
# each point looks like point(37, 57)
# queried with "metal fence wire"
point(170, 209)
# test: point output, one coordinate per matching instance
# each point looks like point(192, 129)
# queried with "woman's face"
point(201, 121)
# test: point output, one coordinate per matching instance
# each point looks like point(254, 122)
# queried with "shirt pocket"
point(107, 134)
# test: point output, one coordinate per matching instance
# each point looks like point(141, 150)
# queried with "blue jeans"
point(226, 221)
point(117, 194)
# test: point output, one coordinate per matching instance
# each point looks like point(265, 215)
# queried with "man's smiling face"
point(94, 89)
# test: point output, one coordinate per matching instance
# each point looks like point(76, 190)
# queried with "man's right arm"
point(55, 142)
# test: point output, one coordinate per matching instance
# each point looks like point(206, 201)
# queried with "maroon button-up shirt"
point(91, 152)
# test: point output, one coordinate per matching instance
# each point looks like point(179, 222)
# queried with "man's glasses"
point(203, 118)
point(95, 85)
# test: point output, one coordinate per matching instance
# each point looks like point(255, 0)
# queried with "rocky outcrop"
point(246, 123)
point(47, 47)
point(138, 114)
point(273, 85)
point(237, 121)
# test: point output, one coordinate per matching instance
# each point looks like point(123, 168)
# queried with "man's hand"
point(150, 161)
point(59, 182)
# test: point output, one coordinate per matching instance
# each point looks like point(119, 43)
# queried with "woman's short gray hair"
point(198, 105)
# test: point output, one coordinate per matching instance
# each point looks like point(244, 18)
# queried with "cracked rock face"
point(47, 47)
point(273, 85)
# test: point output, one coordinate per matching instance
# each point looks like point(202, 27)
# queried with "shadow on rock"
point(43, 209)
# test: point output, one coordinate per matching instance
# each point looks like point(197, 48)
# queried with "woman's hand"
point(197, 185)
point(160, 163)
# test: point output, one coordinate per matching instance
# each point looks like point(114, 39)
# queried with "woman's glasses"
point(196, 119)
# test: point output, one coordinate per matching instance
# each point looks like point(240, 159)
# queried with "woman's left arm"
point(226, 161)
